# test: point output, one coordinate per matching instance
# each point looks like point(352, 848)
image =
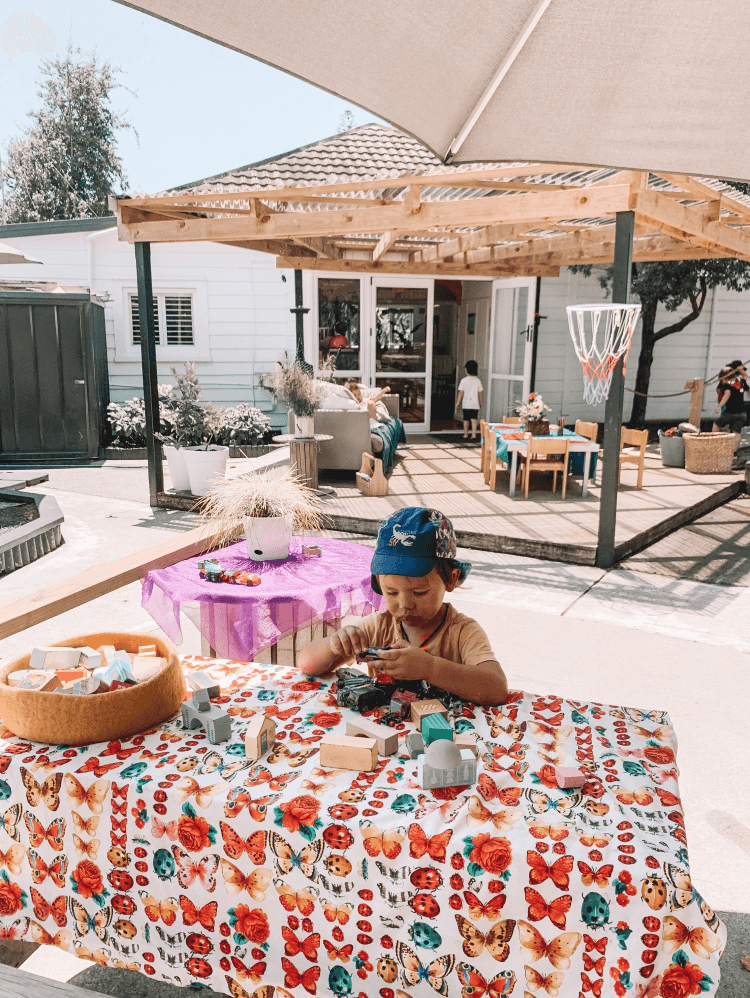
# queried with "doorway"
point(511, 346)
point(379, 331)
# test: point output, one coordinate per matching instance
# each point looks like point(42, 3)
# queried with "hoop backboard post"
point(605, 549)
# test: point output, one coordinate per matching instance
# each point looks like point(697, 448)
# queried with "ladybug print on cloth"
point(186, 862)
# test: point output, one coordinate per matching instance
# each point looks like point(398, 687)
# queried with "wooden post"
point(605, 550)
point(148, 364)
point(696, 387)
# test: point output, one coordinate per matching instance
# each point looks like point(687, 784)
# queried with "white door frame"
point(504, 284)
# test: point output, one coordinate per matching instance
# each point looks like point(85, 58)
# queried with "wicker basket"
point(537, 427)
point(61, 719)
point(709, 453)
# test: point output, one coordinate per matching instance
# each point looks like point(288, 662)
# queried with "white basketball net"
point(601, 334)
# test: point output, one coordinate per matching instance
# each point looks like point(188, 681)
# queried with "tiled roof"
point(358, 154)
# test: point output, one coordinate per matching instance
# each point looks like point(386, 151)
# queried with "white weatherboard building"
point(228, 309)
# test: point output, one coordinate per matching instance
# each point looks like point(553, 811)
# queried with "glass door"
point(400, 354)
point(511, 346)
point(339, 327)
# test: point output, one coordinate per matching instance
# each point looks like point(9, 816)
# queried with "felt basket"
point(62, 719)
point(709, 453)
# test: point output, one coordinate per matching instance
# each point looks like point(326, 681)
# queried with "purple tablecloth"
point(238, 621)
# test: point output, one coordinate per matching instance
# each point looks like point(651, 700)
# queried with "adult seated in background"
point(386, 433)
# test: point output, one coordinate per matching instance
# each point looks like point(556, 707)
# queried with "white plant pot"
point(205, 466)
point(177, 468)
point(304, 426)
point(267, 537)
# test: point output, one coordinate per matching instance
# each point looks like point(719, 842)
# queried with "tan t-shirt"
point(460, 639)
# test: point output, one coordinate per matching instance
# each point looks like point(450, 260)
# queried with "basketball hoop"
point(600, 340)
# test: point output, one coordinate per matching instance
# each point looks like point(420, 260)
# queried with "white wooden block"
point(54, 658)
point(145, 667)
point(386, 738)
point(89, 659)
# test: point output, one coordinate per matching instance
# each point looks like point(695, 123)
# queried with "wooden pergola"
point(498, 221)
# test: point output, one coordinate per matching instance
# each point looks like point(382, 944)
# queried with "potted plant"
point(267, 505)
point(531, 415)
point(244, 426)
point(193, 460)
point(291, 385)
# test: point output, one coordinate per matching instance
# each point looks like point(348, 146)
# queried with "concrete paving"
point(617, 637)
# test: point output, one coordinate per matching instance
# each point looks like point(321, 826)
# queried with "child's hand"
point(347, 642)
point(404, 661)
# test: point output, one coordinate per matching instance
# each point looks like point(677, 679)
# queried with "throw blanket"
point(190, 863)
point(392, 434)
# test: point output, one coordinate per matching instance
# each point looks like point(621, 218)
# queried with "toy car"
point(371, 655)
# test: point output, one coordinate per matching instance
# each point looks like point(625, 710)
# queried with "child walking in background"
point(730, 393)
point(470, 398)
point(414, 566)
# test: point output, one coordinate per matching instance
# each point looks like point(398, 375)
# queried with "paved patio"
point(447, 476)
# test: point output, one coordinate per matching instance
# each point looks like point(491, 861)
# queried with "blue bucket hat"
point(412, 541)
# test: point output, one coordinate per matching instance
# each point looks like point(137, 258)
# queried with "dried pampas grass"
point(259, 493)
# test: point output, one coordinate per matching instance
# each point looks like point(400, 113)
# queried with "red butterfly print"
point(120, 808)
point(554, 722)
point(487, 787)
point(293, 978)
point(43, 909)
point(344, 954)
point(435, 846)
point(204, 915)
point(40, 870)
point(596, 965)
point(235, 845)
point(557, 872)
point(555, 910)
point(587, 985)
point(120, 791)
point(118, 826)
point(490, 910)
point(516, 751)
point(667, 798)
point(600, 945)
point(257, 807)
point(589, 875)
point(118, 840)
point(159, 828)
point(254, 973)
point(307, 947)
point(38, 835)
point(115, 748)
point(516, 771)
point(283, 715)
point(92, 765)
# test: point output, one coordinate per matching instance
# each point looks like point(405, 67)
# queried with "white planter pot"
point(267, 537)
point(304, 426)
point(205, 466)
point(177, 468)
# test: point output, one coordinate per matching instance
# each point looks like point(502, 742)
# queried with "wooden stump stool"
point(303, 452)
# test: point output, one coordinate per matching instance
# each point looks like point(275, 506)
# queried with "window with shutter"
point(135, 319)
point(178, 311)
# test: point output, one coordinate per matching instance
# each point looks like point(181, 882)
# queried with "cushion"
point(339, 402)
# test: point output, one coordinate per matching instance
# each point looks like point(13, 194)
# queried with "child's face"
point(414, 601)
point(356, 392)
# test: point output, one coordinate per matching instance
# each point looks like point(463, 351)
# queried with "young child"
point(414, 566)
point(730, 392)
point(470, 398)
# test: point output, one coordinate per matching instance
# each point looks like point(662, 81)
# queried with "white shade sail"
point(640, 84)
point(10, 255)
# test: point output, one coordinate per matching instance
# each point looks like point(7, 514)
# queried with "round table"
point(304, 455)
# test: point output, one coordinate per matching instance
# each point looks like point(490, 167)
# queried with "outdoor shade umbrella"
point(10, 255)
point(639, 84)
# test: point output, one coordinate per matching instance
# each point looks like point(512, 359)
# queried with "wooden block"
point(422, 708)
point(145, 667)
point(386, 738)
point(435, 726)
point(18, 677)
point(89, 659)
point(260, 736)
point(123, 656)
point(467, 740)
point(54, 658)
point(202, 681)
point(107, 653)
point(70, 675)
point(569, 776)
point(345, 752)
point(83, 687)
point(147, 650)
point(40, 681)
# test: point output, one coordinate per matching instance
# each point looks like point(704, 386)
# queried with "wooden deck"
point(447, 477)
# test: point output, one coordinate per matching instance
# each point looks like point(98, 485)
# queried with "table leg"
point(513, 469)
point(586, 470)
point(304, 459)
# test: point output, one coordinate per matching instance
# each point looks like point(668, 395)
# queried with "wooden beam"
point(707, 193)
point(39, 606)
point(552, 206)
point(438, 269)
point(384, 244)
point(292, 195)
point(675, 219)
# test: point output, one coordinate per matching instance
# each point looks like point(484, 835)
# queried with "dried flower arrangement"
point(532, 409)
point(291, 385)
point(264, 494)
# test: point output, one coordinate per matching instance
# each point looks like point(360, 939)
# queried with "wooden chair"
point(491, 469)
point(512, 419)
point(370, 478)
point(484, 453)
point(590, 430)
point(633, 438)
point(541, 455)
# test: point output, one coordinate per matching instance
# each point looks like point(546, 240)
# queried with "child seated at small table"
point(414, 566)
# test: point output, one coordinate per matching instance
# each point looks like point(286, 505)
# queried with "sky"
point(198, 108)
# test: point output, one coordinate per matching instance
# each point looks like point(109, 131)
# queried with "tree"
point(671, 283)
point(66, 163)
point(346, 121)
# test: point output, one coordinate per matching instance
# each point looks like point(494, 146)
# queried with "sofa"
point(350, 429)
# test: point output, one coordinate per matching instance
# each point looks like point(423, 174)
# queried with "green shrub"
point(243, 424)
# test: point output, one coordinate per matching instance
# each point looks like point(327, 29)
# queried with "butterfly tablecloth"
point(192, 864)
